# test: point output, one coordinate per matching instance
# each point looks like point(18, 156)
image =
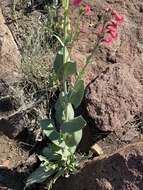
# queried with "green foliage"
point(58, 63)
point(73, 125)
point(49, 130)
point(77, 93)
point(69, 69)
point(65, 132)
point(39, 175)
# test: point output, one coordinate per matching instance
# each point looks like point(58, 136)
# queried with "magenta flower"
point(87, 10)
point(109, 32)
point(112, 28)
point(118, 18)
point(100, 30)
point(77, 3)
point(107, 41)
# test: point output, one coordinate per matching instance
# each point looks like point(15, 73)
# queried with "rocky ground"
point(113, 106)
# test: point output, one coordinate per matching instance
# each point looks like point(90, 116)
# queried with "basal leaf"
point(72, 140)
point(73, 125)
point(59, 173)
point(49, 130)
point(50, 154)
point(39, 175)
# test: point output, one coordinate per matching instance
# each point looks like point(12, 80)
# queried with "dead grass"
point(33, 32)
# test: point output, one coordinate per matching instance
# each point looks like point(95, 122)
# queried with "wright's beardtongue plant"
point(65, 131)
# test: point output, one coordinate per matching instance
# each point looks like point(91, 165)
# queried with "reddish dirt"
point(9, 150)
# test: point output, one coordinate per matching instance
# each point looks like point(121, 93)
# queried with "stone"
point(9, 54)
point(13, 125)
point(114, 98)
point(96, 149)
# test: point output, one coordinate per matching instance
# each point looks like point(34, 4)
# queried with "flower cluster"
point(109, 31)
point(77, 3)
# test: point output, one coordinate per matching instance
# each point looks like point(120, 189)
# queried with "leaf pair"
point(64, 68)
point(71, 131)
point(64, 109)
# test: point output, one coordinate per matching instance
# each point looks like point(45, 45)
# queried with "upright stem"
point(66, 20)
point(88, 60)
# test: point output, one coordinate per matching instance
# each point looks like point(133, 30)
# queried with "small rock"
point(97, 150)
point(13, 126)
point(7, 104)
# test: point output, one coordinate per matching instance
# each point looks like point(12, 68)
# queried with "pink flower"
point(77, 3)
point(119, 19)
point(114, 23)
point(114, 35)
point(87, 10)
point(107, 41)
point(112, 28)
point(100, 30)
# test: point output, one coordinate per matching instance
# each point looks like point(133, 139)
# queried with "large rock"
point(9, 73)
point(114, 92)
point(9, 54)
point(115, 97)
point(122, 170)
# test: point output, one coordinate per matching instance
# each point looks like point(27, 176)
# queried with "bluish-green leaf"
point(73, 139)
point(65, 113)
point(77, 93)
point(49, 130)
point(39, 175)
point(73, 125)
point(69, 69)
point(69, 112)
point(59, 107)
point(50, 153)
point(59, 62)
point(64, 109)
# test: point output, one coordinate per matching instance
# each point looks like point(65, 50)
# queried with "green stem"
point(88, 60)
point(66, 20)
point(77, 31)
